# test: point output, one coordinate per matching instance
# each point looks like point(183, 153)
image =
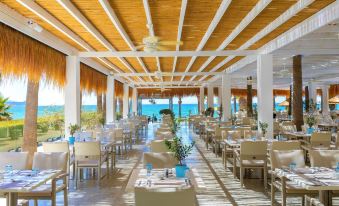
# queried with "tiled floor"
point(221, 187)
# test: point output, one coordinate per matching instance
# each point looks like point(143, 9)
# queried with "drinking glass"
point(149, 168)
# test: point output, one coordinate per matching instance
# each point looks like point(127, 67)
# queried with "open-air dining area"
point(169, 102)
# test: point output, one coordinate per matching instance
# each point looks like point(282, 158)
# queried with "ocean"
point(18, 109)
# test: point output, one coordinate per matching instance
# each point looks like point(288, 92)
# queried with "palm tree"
point(30, 122)
point(4, 107)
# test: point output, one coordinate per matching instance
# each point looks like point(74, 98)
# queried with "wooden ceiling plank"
point(288, 14)
point(150, 28)
point(180, 25)
point(114, 19)
point(73, 11)
point(259, 7)
point(216, 19)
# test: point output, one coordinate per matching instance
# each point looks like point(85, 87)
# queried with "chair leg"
point(265, 177)
point(272, 191)
point(35, 202)
point(242, 170)
point(234, 167)
point(65, 197)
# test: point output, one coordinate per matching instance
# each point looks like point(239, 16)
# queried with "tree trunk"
point(104, 106)
point(249, 97)
point(297, 92)
point(307, 99)
point(30, 122)
point(99, 103)
point(179, 102)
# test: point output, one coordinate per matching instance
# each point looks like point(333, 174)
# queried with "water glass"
point(149, 168)
point(254, 138)
point(337, 171)
point(9, 169)
point(292, 165)
point(35, 172)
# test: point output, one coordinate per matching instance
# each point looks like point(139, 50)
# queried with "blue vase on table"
point(310, 130)
point(71, 140)
point(180, 170)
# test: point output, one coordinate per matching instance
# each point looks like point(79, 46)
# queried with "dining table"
point(22, 181)
point(321, 179)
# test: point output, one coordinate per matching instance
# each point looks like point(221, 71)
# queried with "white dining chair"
point(158, 146)
point(160, 160)
point(18, 160)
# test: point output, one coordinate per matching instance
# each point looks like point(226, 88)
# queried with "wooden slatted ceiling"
point(165, 17)
point(301, 16)
point(236, 11)
point(199, 14)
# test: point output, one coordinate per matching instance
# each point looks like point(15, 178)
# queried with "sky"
point(16, 91)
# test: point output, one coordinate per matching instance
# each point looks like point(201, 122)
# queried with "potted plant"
point(209, 112)
point(310, 121)
point(73, 128)
point(263, 126)
point(181, 151)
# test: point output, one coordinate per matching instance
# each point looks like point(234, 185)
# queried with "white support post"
point(265, 92)
point(110, 110)
point(72, 92)
point(325, 109)
point(210, 96)
point(125, 101)
point(202, 98)
point(226, 97)
point(135, 102)
point(219, 96)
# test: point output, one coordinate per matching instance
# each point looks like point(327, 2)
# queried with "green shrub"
point(3, 132)
point(15, 131)
point(43, 127)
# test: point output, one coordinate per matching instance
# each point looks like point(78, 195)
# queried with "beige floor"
point(221, 187)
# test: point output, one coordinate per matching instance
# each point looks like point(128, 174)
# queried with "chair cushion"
point(253, 163)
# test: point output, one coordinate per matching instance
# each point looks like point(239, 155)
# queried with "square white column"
point(201, 100)
point(265, 92)
point(226, 97)
point(326, 108)
point(135, 102)
point(125, 101)
point(219, 96)
point(110, 110)
point(210, 96)
point(72, 92)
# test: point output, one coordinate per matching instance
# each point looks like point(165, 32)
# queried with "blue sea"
point(18, 109)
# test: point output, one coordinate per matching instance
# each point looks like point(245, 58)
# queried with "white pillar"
point(265, 91)
point(326, 108)
point(202, 98)
point(312, 90)
point(210, 96)
point(226, 97)
point(219, 96)
point(110, 110)
point(135, 102)
point(72, 92)
point(125, 101)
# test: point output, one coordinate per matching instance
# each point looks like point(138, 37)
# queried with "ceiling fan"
point(162, 89)
point(153, 43)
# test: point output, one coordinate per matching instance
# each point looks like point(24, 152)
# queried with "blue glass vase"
point(71, 140)
point(180, 171)
point(310, 130)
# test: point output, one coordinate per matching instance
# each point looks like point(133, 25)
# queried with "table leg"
point(12, 199)
point(324, 197)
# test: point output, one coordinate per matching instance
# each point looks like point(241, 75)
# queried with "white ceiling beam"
point(168, 74)
point(150, 28)
point(215, 21)
point(288, 14)
point(114, 19)
point(168, 53)
point(307, 52)
point(180, 25)
point(73, 11)
point(257, 9)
